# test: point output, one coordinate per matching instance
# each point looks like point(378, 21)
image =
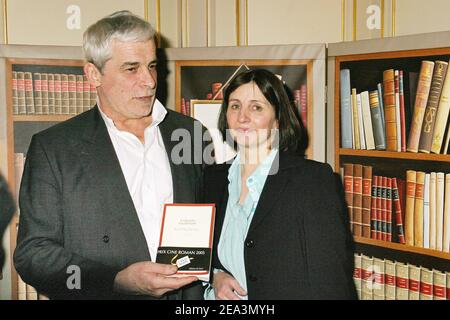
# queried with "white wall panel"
point(45, 22)
point(294, 21)
point(418, 16)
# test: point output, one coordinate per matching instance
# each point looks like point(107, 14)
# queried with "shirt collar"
point(256, 181)
point(158, 115)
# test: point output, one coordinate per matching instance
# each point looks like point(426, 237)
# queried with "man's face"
point(128, 81)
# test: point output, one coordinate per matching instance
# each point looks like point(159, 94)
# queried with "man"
point(7, 208)
point(94, 187)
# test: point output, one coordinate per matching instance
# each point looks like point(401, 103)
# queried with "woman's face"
point(250, 117)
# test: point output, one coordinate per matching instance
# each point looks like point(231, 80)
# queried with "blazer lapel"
point(272, 192)
point(100, 161)
point(181, 181)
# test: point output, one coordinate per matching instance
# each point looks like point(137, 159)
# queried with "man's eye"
point(133, 69)
point(152, 66)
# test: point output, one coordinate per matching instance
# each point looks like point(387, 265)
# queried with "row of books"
point(27, 292)
point(51, 93)
point(427, 210)
point(382, 119)
point(415, 211)
point(383, 279)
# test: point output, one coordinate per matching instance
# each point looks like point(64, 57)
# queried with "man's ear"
point(93, 74)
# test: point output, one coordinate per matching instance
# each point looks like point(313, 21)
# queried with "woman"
point(281, 227)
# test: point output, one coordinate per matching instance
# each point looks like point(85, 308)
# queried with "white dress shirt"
point(147, 173)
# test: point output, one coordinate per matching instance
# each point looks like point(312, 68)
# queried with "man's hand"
point(149, 278)
point(226, 287)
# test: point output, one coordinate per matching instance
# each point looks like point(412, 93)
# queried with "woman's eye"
point(256, 107)
point(234, 107)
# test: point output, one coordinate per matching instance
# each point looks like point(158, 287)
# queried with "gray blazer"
point(7, 208)
point(76, 209)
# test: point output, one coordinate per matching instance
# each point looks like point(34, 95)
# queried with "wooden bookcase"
point(366, 70)
point(21, 127)
point(193, 79)
point(192, 71)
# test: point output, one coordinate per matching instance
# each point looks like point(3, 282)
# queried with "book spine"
point(304, 104)
point(367, 276)
point(446, 244)
point(441, 116)
point(418, 209)
point(383, 208)
point(15, 100)
point(380, 101)
point(37, 93)
point(397, 109)
point(362, 135)
point(389, 209)
point(378, 130)
point(64, 94)
point(79, 94)
point(426, 284)
point(348, 189)
point(366, 200)
point(439, 285)
point(402, 112)
point(398, 212)
point(367, 119)
point(355, 121)
point(440, 181)
point(58, 94)
point(402, 281)
point(51, 93)
point(426, 212)
point(432, 232)
point(373, 209)
point(410, 199)
point(21, 100)
point(426, 134)
point(414, 282)
point(72, 86)
point(423, 90)
point(357, 199)
point(379, 279)
point(390, 110)
point(390, 287)
point(357, 274)
point(44, 93)
point(29, 96)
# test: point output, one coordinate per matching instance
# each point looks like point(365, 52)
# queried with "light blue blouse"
point(238, 218)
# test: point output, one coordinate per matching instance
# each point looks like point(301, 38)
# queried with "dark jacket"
point(298, 245)
point(76, 209)
point(7, 209)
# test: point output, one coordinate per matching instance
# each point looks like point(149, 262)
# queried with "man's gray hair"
point(121, 25)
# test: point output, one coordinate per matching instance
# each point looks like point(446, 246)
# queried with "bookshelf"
point(302, 68)
point(195, 79)
point(366, 70)
point(21, 127)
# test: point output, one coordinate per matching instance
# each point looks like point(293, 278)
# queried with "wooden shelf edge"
point(402, 247)
point(395, 155)
point(43, 117)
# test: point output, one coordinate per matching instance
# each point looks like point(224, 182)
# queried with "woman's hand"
point(226, 287)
